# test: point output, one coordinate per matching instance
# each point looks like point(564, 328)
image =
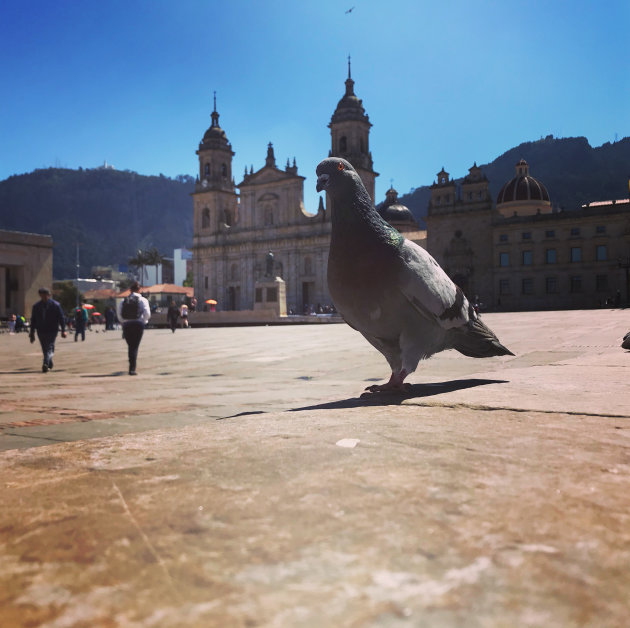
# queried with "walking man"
point(172, 316)
point(46, 318)
point(134, 313)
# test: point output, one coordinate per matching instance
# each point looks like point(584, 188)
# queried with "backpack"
point(131, 308)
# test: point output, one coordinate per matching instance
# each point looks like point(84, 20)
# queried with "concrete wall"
point(25, 265)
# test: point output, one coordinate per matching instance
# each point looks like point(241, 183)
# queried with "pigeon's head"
point(334, 174)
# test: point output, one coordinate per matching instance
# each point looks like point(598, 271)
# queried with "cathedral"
point(516, 253)
point(259, 227)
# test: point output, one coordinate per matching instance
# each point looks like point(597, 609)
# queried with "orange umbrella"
point(211, 302)
point(88, 306)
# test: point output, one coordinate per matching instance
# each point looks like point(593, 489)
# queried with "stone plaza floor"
point(241, 480)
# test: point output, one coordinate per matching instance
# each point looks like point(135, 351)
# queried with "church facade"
point(241, 229)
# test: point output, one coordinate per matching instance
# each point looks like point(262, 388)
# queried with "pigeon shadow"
point(415, 391)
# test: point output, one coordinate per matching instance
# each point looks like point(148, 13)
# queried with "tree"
point(67, 294)
point(188, 282)
point(154, 258)
point(139, 262)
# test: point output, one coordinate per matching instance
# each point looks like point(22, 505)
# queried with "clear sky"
point(445, 83)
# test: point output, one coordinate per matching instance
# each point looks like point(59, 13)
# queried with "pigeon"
point(390, 289)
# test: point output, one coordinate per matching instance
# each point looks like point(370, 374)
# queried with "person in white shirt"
point(184, 315)
point(134, 313)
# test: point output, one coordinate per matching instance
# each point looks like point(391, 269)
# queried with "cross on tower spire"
point(349, 75)
point(215, 115)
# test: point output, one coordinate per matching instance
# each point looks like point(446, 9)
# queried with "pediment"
point(267, 174)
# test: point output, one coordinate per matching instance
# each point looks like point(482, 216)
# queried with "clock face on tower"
point(204, 183)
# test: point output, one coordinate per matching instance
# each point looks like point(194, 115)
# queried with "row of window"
point(207, 172)
point(552, 285)
point(551, 256)
point(343, 144)
point(551, 233)
point(225, 217)
point(469, 196)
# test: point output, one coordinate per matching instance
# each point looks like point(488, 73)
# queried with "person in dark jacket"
point(80, 321)
point(46, 318)
point(172, 315)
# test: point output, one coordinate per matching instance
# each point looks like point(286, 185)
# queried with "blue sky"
point(445, 83)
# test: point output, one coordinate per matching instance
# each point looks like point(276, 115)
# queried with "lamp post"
point(77, 274)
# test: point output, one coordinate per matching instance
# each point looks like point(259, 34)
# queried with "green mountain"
point(573, 172)
point(110, 213)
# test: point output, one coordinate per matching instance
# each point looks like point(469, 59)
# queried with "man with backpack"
point(134, 313)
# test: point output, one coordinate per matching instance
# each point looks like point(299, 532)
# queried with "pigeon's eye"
point(340, 166)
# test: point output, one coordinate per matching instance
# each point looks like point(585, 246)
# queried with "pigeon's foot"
point(395, 386)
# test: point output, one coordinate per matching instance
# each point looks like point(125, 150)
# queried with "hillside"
point(114, 213)
point(111, 213)
point(573, 172)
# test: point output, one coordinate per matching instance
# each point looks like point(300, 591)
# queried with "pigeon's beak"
point(322, 182)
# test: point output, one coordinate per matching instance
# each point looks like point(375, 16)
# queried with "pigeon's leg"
point(395, 384)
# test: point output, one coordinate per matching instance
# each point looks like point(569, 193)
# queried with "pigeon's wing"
point(430, 290)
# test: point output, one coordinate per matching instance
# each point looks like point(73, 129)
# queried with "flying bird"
point(389, 288)
point(350, 10)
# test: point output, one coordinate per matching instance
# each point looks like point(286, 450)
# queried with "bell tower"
point(350, 135)
point(215, 199)
point(215, 205)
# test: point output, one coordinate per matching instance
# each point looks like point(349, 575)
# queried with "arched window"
point(205, 218)
point(224, 170)
point(343, 144)
point(268, 215)
point(227, 218)
point(206, 170)
point(362, 145)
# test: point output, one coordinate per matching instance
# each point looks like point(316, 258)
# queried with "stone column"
point(274, 295)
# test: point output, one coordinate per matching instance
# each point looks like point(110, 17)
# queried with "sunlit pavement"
point(240, 480)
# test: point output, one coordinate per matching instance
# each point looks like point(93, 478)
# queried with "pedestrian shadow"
point(415, 391)
point(99, 375)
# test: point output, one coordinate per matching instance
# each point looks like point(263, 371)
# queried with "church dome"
point(215, 133)
point(215, 136)
point(395, 213)
point(349, 107)
point(523, 187)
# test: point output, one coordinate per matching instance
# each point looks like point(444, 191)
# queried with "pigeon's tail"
point(477, 341)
